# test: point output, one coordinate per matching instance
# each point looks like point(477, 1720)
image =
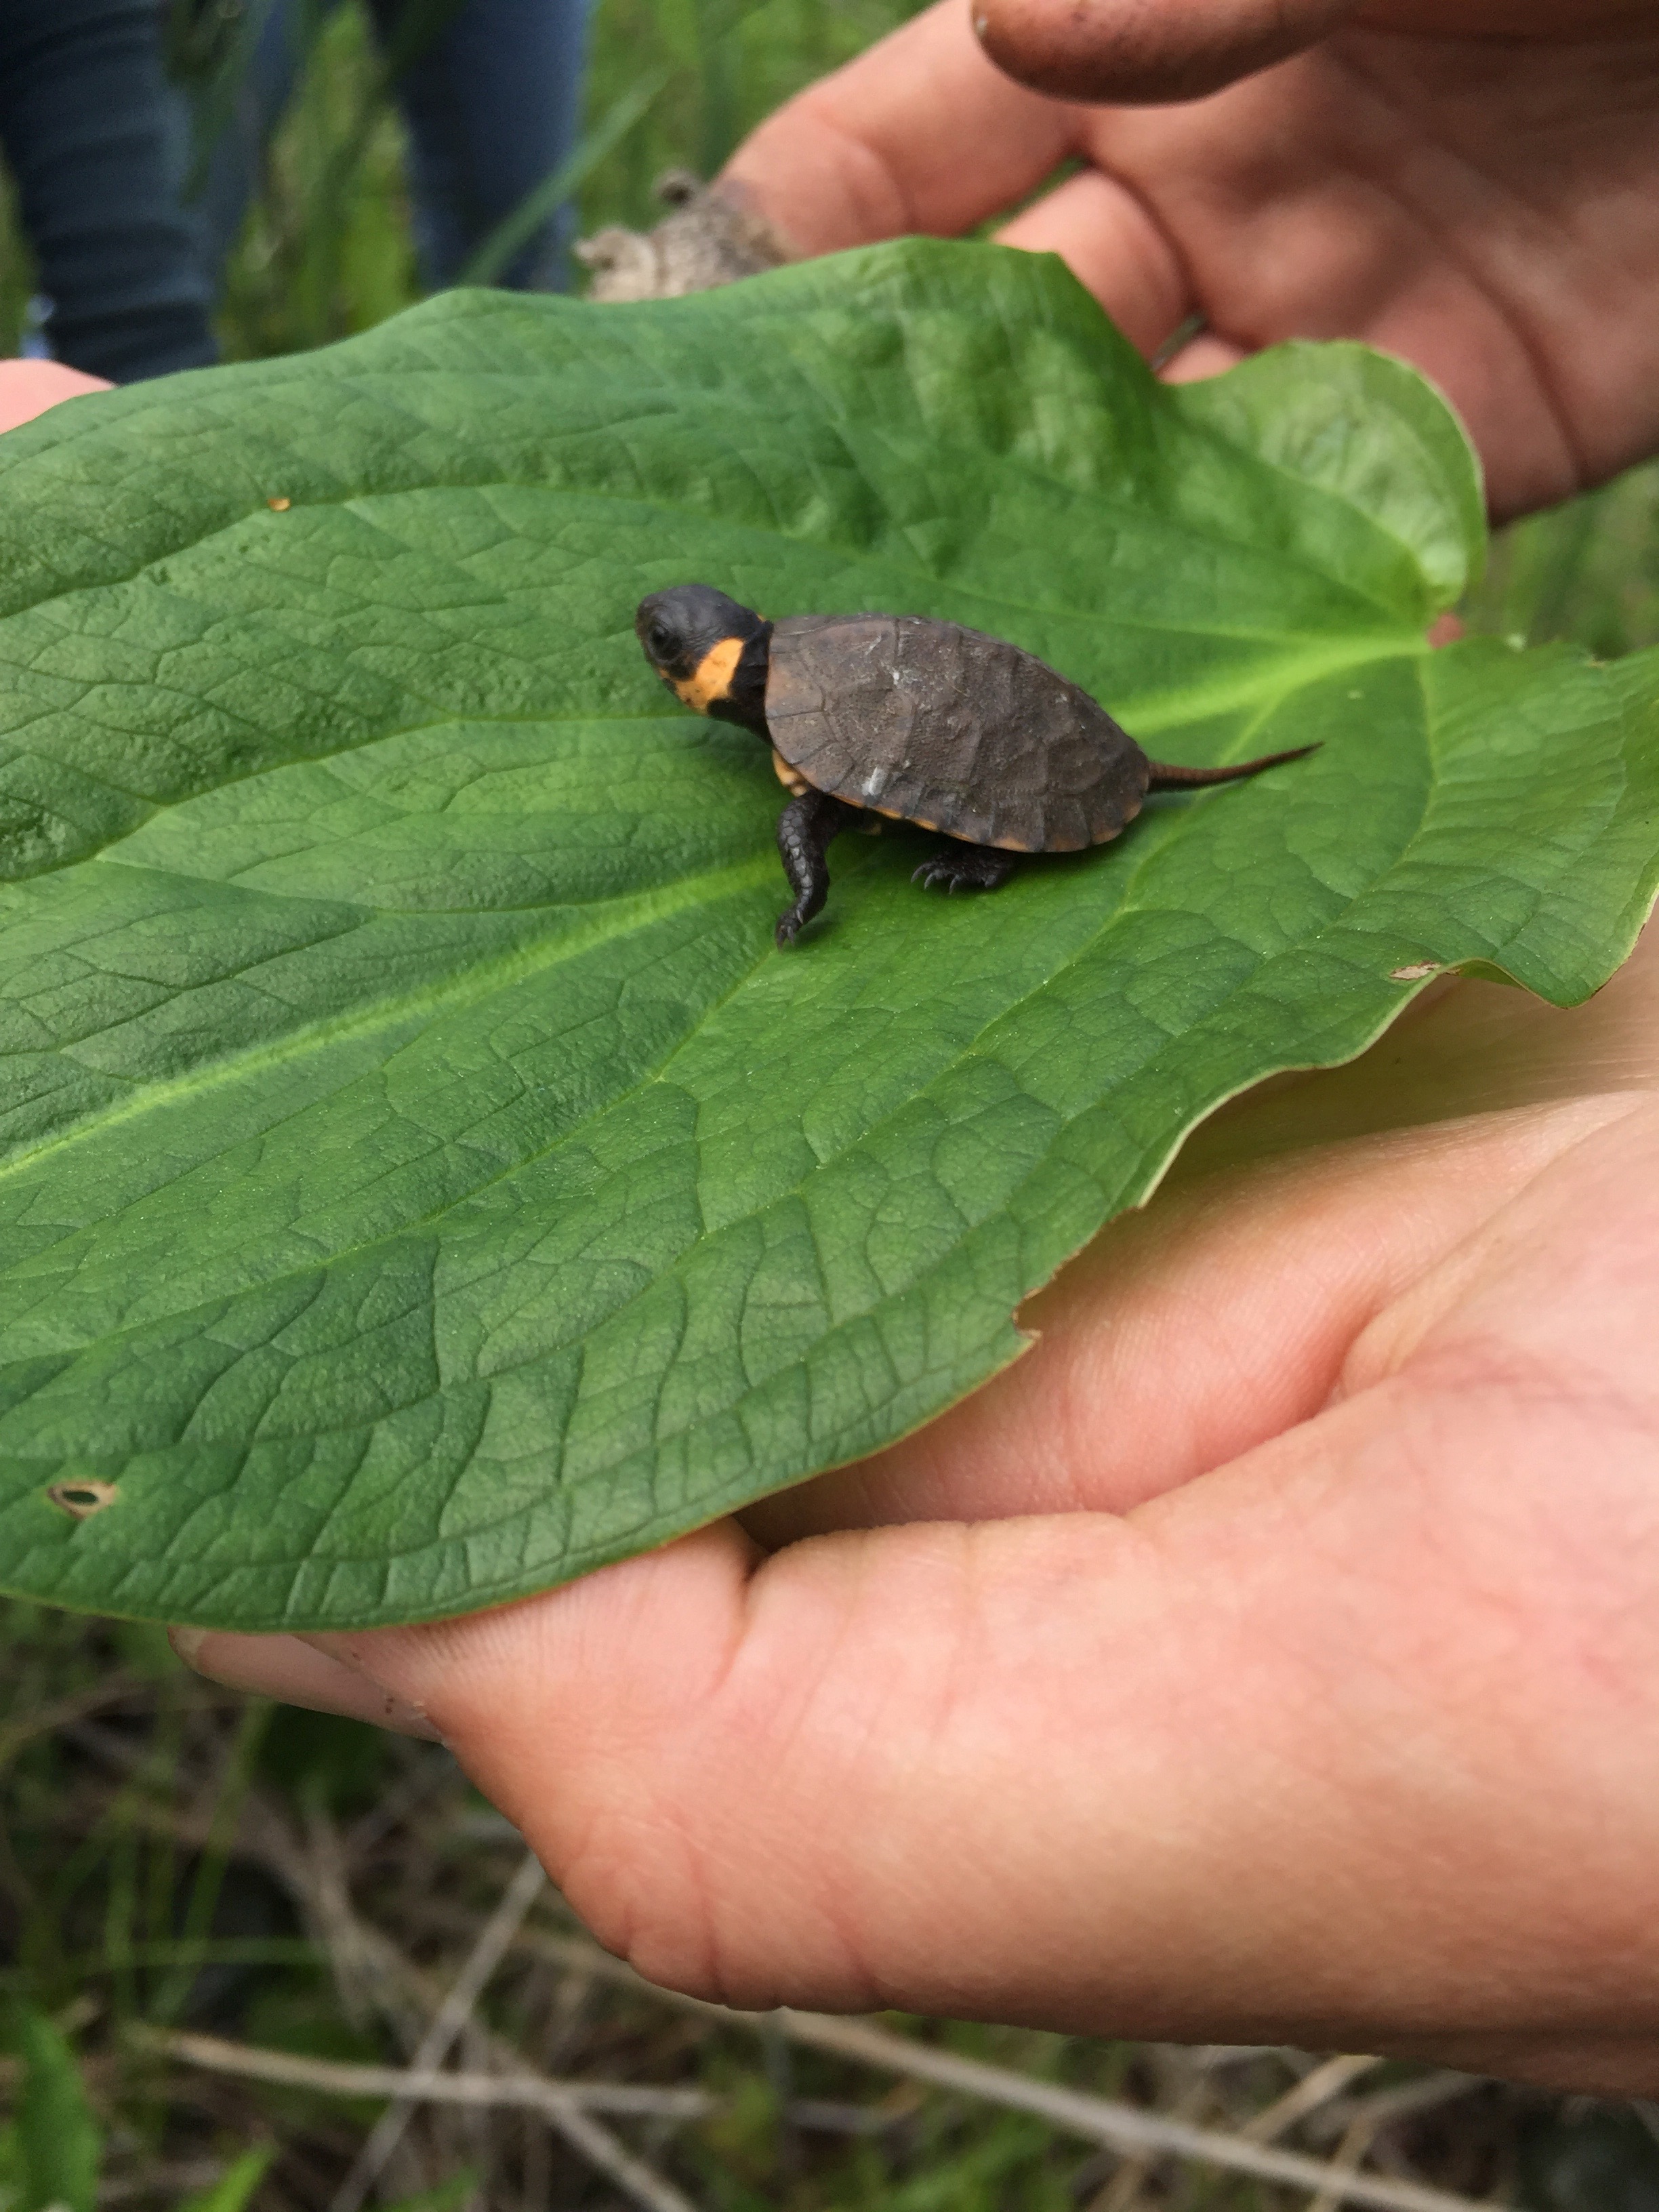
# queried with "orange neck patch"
point(711, 679)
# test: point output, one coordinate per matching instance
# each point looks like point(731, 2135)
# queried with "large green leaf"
point(423, 1180)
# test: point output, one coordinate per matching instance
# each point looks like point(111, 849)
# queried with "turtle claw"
point(970, 868)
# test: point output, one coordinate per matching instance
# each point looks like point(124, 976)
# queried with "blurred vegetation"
point(16, 270)
point(326, 250)
point(174, 1857)
point(1588, 571)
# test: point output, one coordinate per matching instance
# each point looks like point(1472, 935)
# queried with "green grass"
point(173, 1855)
point(326, 250)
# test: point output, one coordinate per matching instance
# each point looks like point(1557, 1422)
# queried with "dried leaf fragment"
point(714, 236)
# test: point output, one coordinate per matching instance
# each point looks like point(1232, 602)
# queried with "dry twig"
point(20, 1728)
point(451, 2017)
point(1106, 2120)
point(1404, 2101)
point(1305, 2096)
point(331, 2077)
point(1356, 2142)
point(1124, 2190)
point(568, 2105)
point(375, 1966)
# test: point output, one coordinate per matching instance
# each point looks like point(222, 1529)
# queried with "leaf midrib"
point(968, 1051)
point(610, 919)
point(1264, 689)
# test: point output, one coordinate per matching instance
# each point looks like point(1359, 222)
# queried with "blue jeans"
point(87, 121)
point(493, 106)
point(98, 140)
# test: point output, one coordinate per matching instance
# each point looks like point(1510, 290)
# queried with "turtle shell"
point(928, 722)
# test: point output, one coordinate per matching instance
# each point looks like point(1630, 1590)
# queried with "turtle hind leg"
point(804, 829)
point(961, 867)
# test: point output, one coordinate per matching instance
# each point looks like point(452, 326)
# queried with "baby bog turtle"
point(921, 721)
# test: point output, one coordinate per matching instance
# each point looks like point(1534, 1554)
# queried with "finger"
point(1543, 20)
point(919, 133)
point(1144, 50)
point(28, 388)
point(1204, 356)
point(287, 1667)
point(1110, 242)
point(1612, 2066)
point(1358, 190)
point(1349, 1745)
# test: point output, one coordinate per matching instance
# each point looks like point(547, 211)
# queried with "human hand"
point(28, 388)
point(1271, 1655)
point(1473, 184)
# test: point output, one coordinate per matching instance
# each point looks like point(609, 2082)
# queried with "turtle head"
point(710, 652)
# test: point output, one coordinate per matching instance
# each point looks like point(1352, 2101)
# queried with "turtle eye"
point(660, 640)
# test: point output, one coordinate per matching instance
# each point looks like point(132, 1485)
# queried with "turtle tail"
point(1164, 777)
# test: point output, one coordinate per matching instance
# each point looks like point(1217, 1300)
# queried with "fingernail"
point(295, 1671)
point(399, 1716)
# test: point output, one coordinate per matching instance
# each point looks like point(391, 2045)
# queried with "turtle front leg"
point(804, 829)
point(962, 867)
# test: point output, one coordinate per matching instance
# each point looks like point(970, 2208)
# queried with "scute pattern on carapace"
point(929, 722)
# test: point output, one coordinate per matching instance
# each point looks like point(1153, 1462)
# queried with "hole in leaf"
point(81, 1499)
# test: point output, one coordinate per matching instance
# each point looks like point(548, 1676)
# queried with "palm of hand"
point(1270, 1653)
point(1485, 208)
